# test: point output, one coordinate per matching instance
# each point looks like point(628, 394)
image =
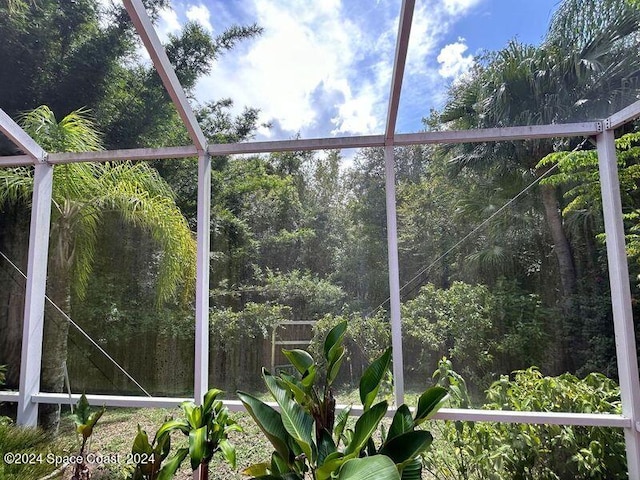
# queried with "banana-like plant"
point(310, 439)
point(207, 426)
point(85, 421)
point(149, 455)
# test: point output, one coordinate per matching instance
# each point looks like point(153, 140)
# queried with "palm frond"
point(137, 194)
point(16, 185)
point(74, 133)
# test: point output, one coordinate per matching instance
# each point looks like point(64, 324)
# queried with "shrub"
point(485, 332)
point(497, 451)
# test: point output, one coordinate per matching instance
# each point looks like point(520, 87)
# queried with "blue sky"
point(322, 67)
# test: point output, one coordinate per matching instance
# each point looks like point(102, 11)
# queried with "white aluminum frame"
point(620, 296)
point(29, 397)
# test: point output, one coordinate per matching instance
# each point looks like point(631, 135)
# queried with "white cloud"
point(326, 70)
point(168, 23)
point(301, 71)
point(200, 14)
point(457, 7)
point(453, 62)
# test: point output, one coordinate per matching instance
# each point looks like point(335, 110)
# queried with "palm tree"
point(82, 194)
point(586, 68)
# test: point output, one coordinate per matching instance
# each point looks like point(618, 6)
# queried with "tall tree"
point(581, 71)
point(82, 193)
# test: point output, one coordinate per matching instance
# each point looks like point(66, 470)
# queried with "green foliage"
point(207, 427)
point(484, 332)
point(308, 295)
point(85, 419)
point(311, 440)
point(83, 192)
point(505, 451)
point(577, 172)
point(230, 329)
point(151, 454)
point(453, 322)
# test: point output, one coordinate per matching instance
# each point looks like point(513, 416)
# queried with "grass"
point(27, 453)
point(114, 434)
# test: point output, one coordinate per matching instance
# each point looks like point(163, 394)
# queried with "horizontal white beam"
point(110, 400)
point(625, 115)
point(16, 160)
point(297, 145)
point(500, 134)
point(158, 55)
point(469, 415)
point(133, 154)
point(549, 418)
point(20, 138)
point(9, 396)
point(366, 141)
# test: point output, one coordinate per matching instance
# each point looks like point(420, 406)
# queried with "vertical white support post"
point(620, 297)
point(201, 369)
point(32, 329)
point(394, 275)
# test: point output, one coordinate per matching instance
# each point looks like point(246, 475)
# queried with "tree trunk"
point(14, 235)
point(567, 270)
point(561, 246)
point(56, 327)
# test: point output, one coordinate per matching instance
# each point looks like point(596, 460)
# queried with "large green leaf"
point(300, 359)
point(372, 377)
point(228, 452)
point(298, 390)
point(429, 403)
point(299, 424)
point(141, 443)
point(192, 413)
point(377, 467)
point(170, 425)
point(309, 376)
point(198, 447)
point(278, 464)
point(326, 447)
point(269, 421)
point(407, 446)
point(173, 464)
point(334, 365)
point(331, 465)
point(279, 393)
point(209, 399)
point(402, 423)
point(365, 426)
point(333, 340)
point(340, 423)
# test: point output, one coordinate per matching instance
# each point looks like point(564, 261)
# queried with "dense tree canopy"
point(501, 253)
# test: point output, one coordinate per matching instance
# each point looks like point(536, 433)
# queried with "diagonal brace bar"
point(158, 55)
point(20, 138)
